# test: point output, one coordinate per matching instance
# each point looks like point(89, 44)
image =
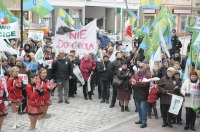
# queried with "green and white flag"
point(176, 104)
point(39, 56)
point(78, 74)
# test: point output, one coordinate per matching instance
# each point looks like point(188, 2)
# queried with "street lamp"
point(21, 3)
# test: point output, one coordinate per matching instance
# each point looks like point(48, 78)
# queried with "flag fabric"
point(146, 27)
point(89, 83)
point(78, 74)
point(132, 15)
point(39, 55)
point(157, 56)
point(62, 28)
point(7, 48)
point(25, 22)
point(150, 4)
point(113, 57)
point(167, 37)
point(99, 55)
point(171, 18)
point(161, 14)
point(163, 44)
point(66, 17)
point(145, 43)
point(6, 14)
point(41, 7)
point(176, 103)
point(128, 29)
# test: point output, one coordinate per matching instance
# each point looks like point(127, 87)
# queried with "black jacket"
point(62, 69)
point(123, 75)
point(104, 75)
point(114, 67)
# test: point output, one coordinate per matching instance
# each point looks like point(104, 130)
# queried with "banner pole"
point(21, 46)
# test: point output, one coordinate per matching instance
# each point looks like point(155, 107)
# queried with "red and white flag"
point(128, 29)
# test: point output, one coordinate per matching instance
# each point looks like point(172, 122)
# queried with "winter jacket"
point(167, 84)
point(104, 40)
point(14, 91)
point(44, 84)
point(34, 99)
point(123, 75)
point(141, 89)
point(2, 97)
point(114, 67)
point(104, 75)
point(32, 66)
point(62, 69)
point(153, 94)
point(86, 67)
point(194, 90)
point(162, 72)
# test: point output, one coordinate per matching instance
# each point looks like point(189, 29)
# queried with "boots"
point(14, 116)
point(85, 96)
point(41, 125)
point(127, 109)
point(122, 108)
point(149, 115)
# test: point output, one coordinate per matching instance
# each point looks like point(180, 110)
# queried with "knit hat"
point(176, 72)
point(171, 69)
point(193, 73)
point(105, 56)
point(20, 59)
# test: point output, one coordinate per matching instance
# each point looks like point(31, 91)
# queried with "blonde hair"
point(42, 69)
point(14, 69)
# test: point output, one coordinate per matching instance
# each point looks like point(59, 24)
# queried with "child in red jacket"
point(153, 95)
point(3, 110)
point(35, 95)
point(14, 86)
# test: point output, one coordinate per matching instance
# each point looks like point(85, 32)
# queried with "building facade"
point(196, 8)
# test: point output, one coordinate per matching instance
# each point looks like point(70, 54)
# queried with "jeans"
point(63, 84)
point(142, 109)
point(105, 89)
point(150, 106)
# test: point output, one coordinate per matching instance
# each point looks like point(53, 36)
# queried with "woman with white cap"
point(166, 85)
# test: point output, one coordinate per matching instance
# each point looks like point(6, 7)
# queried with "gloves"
point(46, 67)
point(187, 94)
point(40, 92)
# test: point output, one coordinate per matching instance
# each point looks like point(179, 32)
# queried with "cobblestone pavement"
point(79, 116)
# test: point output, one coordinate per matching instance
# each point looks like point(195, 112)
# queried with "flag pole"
point(21, 4)
point(183, 45)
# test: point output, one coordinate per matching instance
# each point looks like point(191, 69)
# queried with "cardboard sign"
point(8, 31)
point(24, 78)
point(36, 35)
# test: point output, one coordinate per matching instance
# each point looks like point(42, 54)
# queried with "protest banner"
point(176, 104)
point(49, 63)
point(36, 35)
point(24, 78)
point(78, 74)
point(8, 31)
point(83, 40)
point(193, 23)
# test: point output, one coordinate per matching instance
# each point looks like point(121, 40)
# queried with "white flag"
point(176, 104)
point(157, 56)
point(163, 44)
point(113, 57)
point(78, 74)
point(99, 55)
point(39, 56)
point(7, 48)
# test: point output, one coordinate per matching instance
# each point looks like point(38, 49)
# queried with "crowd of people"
point(124, 76)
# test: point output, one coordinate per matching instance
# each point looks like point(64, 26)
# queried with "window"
point(183, 23)
point(175, 18)
point(147, 17)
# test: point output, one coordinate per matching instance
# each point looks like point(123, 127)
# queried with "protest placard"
point(36, 35)
point(24, 78)
point(176, 104)
point(49, 63)
point(8, 31)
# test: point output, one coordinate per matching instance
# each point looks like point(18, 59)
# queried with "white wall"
point(94, 12)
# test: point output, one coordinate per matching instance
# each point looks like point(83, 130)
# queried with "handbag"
point(117, 81)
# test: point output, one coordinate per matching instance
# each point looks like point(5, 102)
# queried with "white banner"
point(176, 104)
point(83, 40)
point(193, 23)
point(8, 31)
point(78, 74)
point(48, 62)
point(36, 35)
point(24, 78)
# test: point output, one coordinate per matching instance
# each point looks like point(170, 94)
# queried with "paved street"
point(87, 116)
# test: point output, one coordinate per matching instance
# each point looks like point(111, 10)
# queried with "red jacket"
point(44, 84)
point(14, 92)
point(34, 99)
point(86, 67)
point(2, 93)
point(153, 95)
